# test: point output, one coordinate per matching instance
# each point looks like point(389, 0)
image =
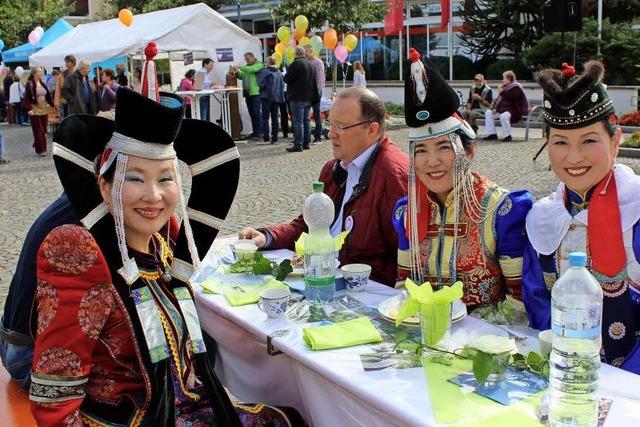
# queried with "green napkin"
point(240, 294)
point(454, 406)
point(343, 334)
point(339, 241)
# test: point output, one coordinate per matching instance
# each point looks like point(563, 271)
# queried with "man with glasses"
point(479, 100)
point(365, 177)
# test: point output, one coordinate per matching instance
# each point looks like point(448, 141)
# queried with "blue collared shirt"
point(206, 82)
point(354, 171)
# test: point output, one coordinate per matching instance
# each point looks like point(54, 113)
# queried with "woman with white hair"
point(79, 91)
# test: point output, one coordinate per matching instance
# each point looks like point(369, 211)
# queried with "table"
point(330, 388)
point(221, 95)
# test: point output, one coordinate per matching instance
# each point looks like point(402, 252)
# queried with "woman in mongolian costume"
point(455, 224)
point(118, 339)
point(596, 210)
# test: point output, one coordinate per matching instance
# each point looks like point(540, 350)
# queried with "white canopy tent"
point(193, 28)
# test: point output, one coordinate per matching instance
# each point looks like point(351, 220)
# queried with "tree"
point(615, 10)
point(111, 7)
point(494, 25)
point(620, 49)
point(19, 17)
point(344, 15)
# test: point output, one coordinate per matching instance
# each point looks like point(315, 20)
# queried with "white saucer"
point(390, 307)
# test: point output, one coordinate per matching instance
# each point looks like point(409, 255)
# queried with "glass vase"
point(435, 324)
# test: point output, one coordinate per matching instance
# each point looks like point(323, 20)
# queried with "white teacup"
point(274, 302)
point(244, 249)
point(356, 276)
point(546, 339)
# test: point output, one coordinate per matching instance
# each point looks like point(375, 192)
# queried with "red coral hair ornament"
point(414, 55)
point(568, 70)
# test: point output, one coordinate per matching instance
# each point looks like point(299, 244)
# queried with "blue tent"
point(23, 52)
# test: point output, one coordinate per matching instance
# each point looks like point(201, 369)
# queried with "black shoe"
point(306, 147)
point(507, 138)
point(294, 149)
point(475, 128)
point(492, 137)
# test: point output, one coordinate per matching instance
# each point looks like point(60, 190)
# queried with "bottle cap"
point(318, 186)
point(577, 259)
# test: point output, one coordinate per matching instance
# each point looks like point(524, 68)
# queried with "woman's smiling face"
point(582, 157)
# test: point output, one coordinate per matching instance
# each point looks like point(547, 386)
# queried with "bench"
point(534, 107)
point(14, 403)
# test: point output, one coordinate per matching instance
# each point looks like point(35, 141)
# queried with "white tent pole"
point(408, 13)
point(450, 31)
point(599, 26)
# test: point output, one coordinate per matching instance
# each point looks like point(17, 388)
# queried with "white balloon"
point(39, 30)
point(19, 70)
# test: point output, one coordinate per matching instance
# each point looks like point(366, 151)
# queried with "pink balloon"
point(34, 38)
point(292, 42)
point(342, 53)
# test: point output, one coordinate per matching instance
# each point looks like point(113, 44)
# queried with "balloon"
point(292, 42)
point(284, 34)
point(316, 43)
point(302, 23)
point(298, 35)
point(304, 41)
point(341, 53)
point(126, 17)
point(1, 45)
point(316, 52)
point(289, 54)
point(278, 58)
point(280, 48)
point(331, 38)
point(39, 30)
point(350, 42)
point(34, 38)
point(19, 70)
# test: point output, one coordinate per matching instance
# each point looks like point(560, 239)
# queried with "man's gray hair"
point(371, 106)
point(300, 53)
point(83, 63)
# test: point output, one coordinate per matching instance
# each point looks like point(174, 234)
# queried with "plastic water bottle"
point(576, 322)
point(319, 247)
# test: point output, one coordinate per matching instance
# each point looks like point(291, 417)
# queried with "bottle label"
point(583, 323)
point(319, 282)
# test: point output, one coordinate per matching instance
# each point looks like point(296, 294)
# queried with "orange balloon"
point(298, 35)
point(280, 48)
point(126, 17)
point(330, 38)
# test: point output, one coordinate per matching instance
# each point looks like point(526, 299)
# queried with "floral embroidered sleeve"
point(404, 253)
point(74, 300)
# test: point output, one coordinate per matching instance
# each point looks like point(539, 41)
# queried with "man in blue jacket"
point(271, 96)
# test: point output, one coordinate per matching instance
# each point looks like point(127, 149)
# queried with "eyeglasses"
point(341, 129)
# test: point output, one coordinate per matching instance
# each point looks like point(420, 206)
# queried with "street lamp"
point(238, 20)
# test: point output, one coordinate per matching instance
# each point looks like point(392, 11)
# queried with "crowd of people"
point(100, 323)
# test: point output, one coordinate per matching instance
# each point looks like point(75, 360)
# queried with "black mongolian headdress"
point(574, 101)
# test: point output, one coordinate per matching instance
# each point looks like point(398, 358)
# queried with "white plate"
point(390, 307)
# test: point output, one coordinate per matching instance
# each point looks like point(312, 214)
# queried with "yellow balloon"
point(284, 34)
point(289, 54)
point(305, 41)
point(350, 42)
point(278, 58)
point(280, 48)
point(301, 23)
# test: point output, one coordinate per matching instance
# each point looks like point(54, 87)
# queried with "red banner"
point(394, 19)
point(445, 7)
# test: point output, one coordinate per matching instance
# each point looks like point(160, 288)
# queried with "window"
point(81, 7)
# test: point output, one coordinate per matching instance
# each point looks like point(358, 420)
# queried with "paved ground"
point(273, 183)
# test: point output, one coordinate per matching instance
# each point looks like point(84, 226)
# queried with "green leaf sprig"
point(260, 265)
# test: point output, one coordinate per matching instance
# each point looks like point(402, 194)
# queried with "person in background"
point(3, 159)
point(365, 178)
point(284, 108)
point(39, 101)
point(79, 91)
point(187, 83)
point(97, 76)
point(137, 80)
point(205, 100)
point(121, 76)
point(251, 90)
point(510, 106)
point(271, 96)
point(479, 101)
point(359, 79)
point(318, 67)
point(15, 100)
point(6, 85)
point(52, 83)
point(70, 67)
point(107, 94)
point(303, 93)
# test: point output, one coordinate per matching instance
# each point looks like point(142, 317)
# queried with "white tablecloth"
point(330, 388)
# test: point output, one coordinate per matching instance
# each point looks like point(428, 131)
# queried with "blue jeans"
point(17, 361)
point(204, 108)
point(269, 109)
point(317, 134)
point(301, 124)
point(253, 105)
point(1, 144)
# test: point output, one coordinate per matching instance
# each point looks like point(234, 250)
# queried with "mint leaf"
point(281, 270)
point(483, 366)
point(401, 335)
point(261, 265)
point(534, 358)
